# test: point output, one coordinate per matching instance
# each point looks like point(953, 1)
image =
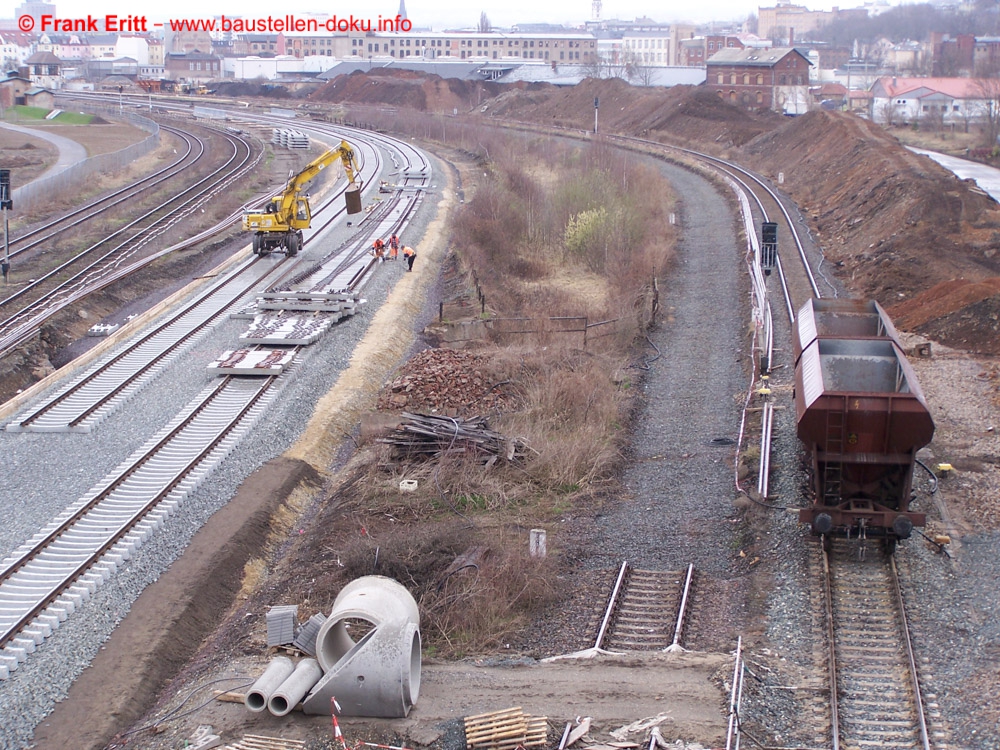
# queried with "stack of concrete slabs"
point(287, 330)
point(259, 362)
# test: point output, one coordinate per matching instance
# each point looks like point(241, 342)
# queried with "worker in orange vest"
point(410, 255)
point(378, 249)
point(394, 247)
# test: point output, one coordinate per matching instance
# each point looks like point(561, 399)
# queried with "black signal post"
point(6, 203)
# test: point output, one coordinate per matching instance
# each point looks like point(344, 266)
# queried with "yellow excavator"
point(279, 227)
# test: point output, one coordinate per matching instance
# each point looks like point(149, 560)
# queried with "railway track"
point(41, 235)
point(85, 402)
point(875, 696)
point(44, 581)
point(646, 610)
point(89, 399)
point(52, 574)
point(113, 257)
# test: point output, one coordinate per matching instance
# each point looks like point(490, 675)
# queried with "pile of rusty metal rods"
point(435, 436)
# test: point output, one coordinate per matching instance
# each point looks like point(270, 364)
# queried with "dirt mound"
point(895, 222)
point(679, 114)
point(250, 88)
point(407, 89)
point(958, 311)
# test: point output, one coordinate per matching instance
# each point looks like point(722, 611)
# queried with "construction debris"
point(305, 639)
point(258, 742)
point(448, 381)
point(204, 738)
point(580, 731)
point(505, 730)
point(433, 436)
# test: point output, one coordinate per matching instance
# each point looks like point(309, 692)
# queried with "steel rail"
point(180, 437)
point(96, 207)
point(679, 627)
point(612, 605)
point(23, 324)
point(870, 649)
point(86, 251)
point(831, 639)
point(910, 657)
point(735, 695)
point(100, 389)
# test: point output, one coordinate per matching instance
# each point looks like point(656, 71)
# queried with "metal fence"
point(548, 329)
point(46, 188)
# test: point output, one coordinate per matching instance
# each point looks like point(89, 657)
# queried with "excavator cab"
point(303, 215)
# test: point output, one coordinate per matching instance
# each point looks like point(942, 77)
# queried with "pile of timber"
point(434, 436)
point(505, 730)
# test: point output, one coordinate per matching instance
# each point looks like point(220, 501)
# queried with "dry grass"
point(254, 575)
point(945, 140)
point(474, 583)
point(573, 405)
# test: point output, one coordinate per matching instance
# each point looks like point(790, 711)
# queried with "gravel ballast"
point(74, 463)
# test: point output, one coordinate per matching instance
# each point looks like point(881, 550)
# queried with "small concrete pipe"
point(307, 673)
point(276, 673)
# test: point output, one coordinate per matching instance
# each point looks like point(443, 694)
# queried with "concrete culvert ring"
point(369, 649)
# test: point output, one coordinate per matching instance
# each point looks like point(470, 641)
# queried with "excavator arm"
point(286, 215)
point(288, 200)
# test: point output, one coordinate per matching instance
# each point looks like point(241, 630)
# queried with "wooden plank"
point(229, 696)
point(492, 729)
point(496, 732)
point(260, 742)
point(506, 730)
point(493, 714)
point(500, 722)
point(579, 732)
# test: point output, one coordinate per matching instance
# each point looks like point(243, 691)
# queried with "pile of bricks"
point(448, 381)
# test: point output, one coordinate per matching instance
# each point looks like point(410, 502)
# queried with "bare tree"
point(596, 67)
point(932, 119)
point(644, 75)
point(485, 27)
point(987, 91)
point(633, 69)
point(888, 112)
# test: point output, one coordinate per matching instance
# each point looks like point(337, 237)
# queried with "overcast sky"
point(438, 14)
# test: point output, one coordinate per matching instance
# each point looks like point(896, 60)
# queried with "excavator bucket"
point(353, 197)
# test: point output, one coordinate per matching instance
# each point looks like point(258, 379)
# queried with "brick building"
point(776, 78)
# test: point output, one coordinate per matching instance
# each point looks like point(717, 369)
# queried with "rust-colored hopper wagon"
point(862, 418)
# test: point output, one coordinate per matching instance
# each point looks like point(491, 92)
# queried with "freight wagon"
point(862, 417)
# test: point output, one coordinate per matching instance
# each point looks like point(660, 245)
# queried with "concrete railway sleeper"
point(46, 579)
point(875, 698)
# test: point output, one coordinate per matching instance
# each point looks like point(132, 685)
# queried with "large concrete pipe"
point(307, 673)
point(276, 673)
point(379, 675)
